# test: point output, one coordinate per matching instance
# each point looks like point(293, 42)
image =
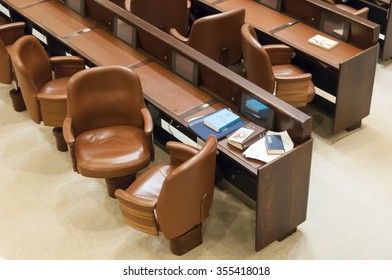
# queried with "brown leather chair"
point(45, 97)
point(363, 12)
point(217, 36)
point(108, 128)
point(270, 68)
point(9, 33)
point(174, 198)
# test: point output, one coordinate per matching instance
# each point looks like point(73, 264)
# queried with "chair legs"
point(112, 184)
point(60, 142)
point(17, 100)
point(186, 242)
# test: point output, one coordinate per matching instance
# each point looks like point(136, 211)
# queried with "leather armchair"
point(108, 128)
point(9, 33)
point(270, 68)
point(174, 198)
point(45, 97)
point(217, 36)
point(363, 12)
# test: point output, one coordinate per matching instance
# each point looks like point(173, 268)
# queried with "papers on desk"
point(323, 42)
point(259, 152)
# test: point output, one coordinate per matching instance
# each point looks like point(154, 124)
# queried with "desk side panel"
point(282, 194)
point(355, 89)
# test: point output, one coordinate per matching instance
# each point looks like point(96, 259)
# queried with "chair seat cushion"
point(148, 185)
point(54, 89)
point(112, 152)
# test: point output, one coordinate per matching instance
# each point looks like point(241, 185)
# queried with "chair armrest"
point(279, 53)
point(147, 120)
point(66, 66)
point(294, 89)
point(11, 32)
point(180, 152)
point(68, 132)
point(148, 130)
point(178, 36)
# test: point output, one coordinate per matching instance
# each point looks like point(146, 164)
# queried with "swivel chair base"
point(112, 184)
point(186, 242)
point(17, 100)
point(60, 142)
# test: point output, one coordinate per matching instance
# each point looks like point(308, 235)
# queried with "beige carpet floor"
point(47, 211)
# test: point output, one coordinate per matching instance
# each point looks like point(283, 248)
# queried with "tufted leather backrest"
point(187, 192)
point(219, 36)
point(104, 96)
point(256, 60)
point(33, 70)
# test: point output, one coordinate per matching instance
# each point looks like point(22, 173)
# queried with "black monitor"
point(76, 5)
point(273, 4)
point(185, 67)
point(125, 32)
point(335, 26)
point(255, 110)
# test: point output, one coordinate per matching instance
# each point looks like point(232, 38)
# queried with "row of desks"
point(281, 201)
point(346, 73)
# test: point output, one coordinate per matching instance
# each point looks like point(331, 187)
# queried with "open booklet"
point(258, 150)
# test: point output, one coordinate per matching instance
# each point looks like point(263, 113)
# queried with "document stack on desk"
point(258, 150)
point(323, 42)
point(219, 123)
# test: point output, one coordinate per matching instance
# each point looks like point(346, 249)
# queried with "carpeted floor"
point(47, 211)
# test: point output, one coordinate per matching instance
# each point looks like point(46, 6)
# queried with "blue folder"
point(204, 131)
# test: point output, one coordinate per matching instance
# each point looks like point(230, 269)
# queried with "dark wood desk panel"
point(56, 18)
point(297, 36)
point(257, 14)
point(169, 90)
point(102, 48)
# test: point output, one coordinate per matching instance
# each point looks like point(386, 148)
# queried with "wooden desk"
point(345, 72)
point(52, 15)
point(101, 48)
point(281, 200)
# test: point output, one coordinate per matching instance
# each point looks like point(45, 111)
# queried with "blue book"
point(274, 144)
point(221, 120)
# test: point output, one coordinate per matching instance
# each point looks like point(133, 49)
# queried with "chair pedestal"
point(112, 184)
point(186, 242)
point(60, 142)
point(17, 100)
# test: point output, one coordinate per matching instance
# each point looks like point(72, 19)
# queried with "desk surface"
point(298, 34)
point(56, 19)
point(23, 3)
point(169, 90)
point(257, 14)
point(101, 48)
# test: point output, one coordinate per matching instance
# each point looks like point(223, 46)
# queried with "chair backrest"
point(104, 96)
point(5, 65)
point(187, 192)
point(363, 12)
point(32, 69)
point(256, 60)
point(218, 36)
point(9, 33)
point(163, 14)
